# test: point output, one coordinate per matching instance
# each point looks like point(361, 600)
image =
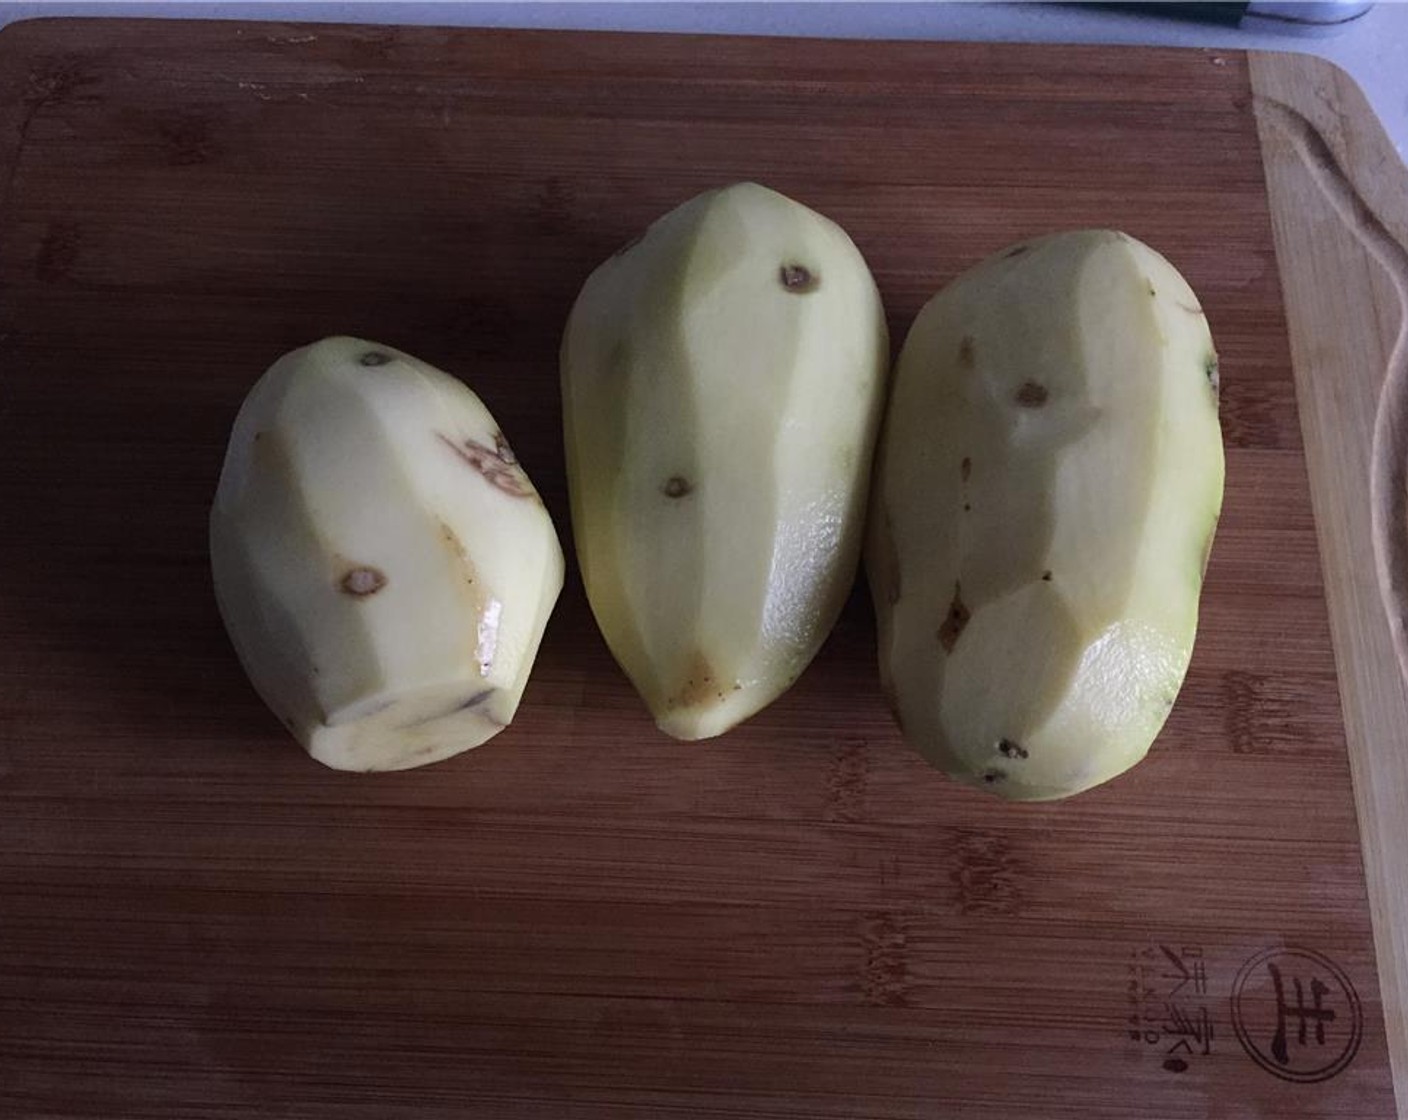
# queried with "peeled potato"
point(1046, 493)
point(383, 565)
point(722, 382)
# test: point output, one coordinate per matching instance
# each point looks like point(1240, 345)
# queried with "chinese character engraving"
point(1188, 969)
point(1296, 1014)
point(1166, 992)
point(1317, 1013)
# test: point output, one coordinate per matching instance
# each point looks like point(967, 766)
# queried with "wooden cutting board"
point(584, 919)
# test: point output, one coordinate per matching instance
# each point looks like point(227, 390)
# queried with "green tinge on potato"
point(722, 382)
point(1047, 488)
point(382, 563)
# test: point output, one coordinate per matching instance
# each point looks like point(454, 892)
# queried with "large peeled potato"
point(722, 382)
point(1046, 493)
point(383, 565)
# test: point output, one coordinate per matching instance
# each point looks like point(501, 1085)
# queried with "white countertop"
point(1374, 48)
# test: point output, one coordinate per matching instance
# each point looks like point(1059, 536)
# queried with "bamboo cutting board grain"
point(583, 919)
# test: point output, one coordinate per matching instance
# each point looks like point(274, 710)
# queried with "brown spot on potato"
point(965, 352)
point(1016, 251)
point(992, 777)
point(1210, 371)
point(967, 507)
point(955, 621)
point(363, 581)
point(798, 279)
point(1032, 395)
point(1152, 293)
point(498, 465)
point(374, 358)
point(1008, 749)
point(677, 487)
point(699, 683)
point(1046, 575)
point(451, 538)
point(965, 468)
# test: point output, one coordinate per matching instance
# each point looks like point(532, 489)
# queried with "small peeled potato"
point(1047, 488)
point(383, 565)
